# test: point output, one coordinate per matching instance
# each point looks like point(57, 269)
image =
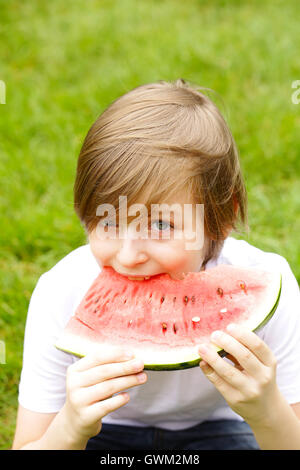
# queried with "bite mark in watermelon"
point(163, 319)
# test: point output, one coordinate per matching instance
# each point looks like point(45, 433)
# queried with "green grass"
point(64, 62)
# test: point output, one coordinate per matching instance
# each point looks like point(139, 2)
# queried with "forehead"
point(173, 206)
point(175, 201)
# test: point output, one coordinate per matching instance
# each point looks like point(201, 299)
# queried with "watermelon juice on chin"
point(163, 319)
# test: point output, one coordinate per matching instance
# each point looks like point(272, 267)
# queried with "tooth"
point(138, 278)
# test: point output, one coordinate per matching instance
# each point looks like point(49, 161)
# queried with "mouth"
point(136, 278)
point(146, 277)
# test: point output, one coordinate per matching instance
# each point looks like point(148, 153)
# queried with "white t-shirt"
point(169, 399)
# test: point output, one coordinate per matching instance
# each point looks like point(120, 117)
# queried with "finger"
point(221, 385)
point(234, 361)
point(102, 408)
point(243, 355)
point(104, 390)
point(222, 368)
point(253, 342)
point(102, 355)
point(104, 372)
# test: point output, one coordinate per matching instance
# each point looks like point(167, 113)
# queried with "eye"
point(162, 222)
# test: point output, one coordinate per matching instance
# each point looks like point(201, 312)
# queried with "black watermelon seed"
point(220, 291)
point(185, 299)
point(164, 327)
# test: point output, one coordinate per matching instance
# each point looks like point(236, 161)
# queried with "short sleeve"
point(42, 383)
point(282, 335)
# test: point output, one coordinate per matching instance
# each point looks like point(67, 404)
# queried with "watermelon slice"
point(163, 319)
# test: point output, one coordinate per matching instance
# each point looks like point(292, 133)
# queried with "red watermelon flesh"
point(163, 319)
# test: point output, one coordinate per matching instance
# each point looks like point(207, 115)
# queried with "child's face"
point(133, 255)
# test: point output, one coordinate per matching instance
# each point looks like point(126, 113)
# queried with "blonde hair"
point(155, 141)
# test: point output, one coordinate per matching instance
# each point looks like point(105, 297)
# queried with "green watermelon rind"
point(66, 344)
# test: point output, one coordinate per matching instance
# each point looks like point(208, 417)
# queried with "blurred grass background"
point(64, 62)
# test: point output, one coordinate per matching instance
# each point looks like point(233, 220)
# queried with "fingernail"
point(142, 377)
point(137, 364)
point(216, 335)
point(203, 348)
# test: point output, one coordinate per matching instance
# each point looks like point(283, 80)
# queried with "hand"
point(90, 384)
point(248, 385)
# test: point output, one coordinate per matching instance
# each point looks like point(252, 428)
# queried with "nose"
point(132, 252)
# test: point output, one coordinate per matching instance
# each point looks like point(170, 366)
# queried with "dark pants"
point(210, 435)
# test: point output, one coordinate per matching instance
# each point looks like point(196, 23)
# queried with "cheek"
point(168, 255)
point(194, 261)
point(103, 251)
point(174, 256)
